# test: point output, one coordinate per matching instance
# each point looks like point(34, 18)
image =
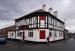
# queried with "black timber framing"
point(37, 13)
point(47, 22)
point(43, 28)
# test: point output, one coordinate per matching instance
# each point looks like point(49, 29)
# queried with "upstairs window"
point(42, 20)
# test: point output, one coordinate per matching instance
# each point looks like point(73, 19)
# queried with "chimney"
point(44, 7)
point(55, 13)
point(50, 10)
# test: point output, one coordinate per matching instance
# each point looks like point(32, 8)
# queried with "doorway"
point(42, 34)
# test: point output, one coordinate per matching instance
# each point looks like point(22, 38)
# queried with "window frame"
point(30, 33)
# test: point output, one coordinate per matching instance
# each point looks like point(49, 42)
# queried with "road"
point(65, 45)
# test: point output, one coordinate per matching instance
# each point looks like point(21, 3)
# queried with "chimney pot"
point(44, 7)
point(50, 10)
point(55, 13)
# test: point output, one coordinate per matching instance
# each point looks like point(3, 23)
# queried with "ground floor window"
point(30, 33)
point(19, 34)
point(60, 33)
point(12, 34)
point(50, 34)
point(55, 33)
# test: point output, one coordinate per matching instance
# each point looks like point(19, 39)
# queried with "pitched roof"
point(4, 31)
point(38, 11)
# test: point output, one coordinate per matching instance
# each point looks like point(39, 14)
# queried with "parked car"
point(3, 40)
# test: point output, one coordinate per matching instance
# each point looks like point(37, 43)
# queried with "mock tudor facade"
point(38, 25)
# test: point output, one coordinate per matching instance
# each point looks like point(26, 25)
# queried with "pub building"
point(38, 25)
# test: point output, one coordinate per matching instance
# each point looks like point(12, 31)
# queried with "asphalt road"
point(65, 45)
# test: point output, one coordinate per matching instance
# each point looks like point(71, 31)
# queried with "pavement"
point(64, 45)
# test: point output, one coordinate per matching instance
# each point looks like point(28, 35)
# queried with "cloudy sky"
point(12, 9)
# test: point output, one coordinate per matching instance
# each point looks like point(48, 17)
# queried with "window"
point(42, 23)
point(49, 20)
point(60, 33)
point(55, 34)
point(55, 22)
point(50, 34)
point(42, 20)
point(12, 34)
point(34, 20)
point(27, 21)
point(23, 21)
point(20, 33)
point(52, 21)
point(30, 33)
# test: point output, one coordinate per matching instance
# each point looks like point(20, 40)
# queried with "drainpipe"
point(23, 36)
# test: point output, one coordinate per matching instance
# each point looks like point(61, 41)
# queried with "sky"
point(13, 9)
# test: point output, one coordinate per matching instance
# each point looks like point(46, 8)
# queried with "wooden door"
point(42, 34)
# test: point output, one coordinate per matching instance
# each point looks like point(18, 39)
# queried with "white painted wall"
point(34, 38)
point(58, 37)
point(36, 32)
point(18, 37)
point(43, 40)
point(52, 37)
point(10, 34)
point(36, 35)
point(12, 37)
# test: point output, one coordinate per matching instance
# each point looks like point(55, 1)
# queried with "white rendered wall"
point(52, 36)
point(18, 37)
point(58, 37)
point(34, 38)
point(9, 35)
point(12, 37)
